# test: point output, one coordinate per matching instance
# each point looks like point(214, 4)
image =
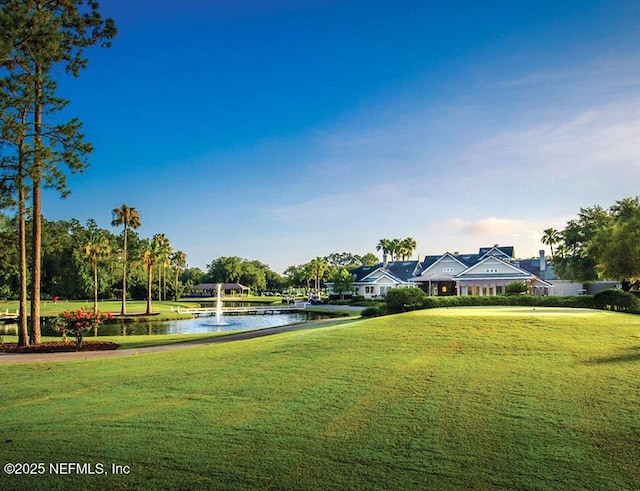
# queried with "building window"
point(491, 270)
point(447, 270)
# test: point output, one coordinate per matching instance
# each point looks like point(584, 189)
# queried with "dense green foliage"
point(67, 269)
point(516, 288)
point(342, 282)
point(615, 299)
point(375, 310)
point(313, 274)
point(599, 244)
point(404, 301)
point(440, 399)
point(234, 269)
point(259, 277)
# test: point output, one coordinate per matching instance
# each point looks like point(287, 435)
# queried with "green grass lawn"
point(132, 341)
point(438, 399)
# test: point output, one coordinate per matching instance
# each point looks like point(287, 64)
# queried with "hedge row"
point(406, 299)
point(618, 300)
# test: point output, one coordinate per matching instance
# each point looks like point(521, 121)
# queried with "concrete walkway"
point(12, 358)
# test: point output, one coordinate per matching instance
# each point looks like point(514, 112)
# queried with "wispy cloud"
point(458, 174)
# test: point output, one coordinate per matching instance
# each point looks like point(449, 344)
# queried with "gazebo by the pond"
point(211, 289)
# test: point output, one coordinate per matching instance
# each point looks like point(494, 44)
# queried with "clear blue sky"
point(281, 130)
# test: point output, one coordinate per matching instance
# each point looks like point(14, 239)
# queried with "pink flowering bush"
point(78, 322)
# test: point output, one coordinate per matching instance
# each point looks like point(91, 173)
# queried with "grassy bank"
point(437, 399)
point(132, 341)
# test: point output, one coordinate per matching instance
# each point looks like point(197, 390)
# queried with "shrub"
point(614, 299)
point(79, 322)
point(375, 311)
point(516, 288)
point(5, 292)
point(405, 299)
point(339, 302)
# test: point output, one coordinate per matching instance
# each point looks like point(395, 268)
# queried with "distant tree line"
point(310, 276)
point(86, 261)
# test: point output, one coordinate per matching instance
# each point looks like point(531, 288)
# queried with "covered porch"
point(492, 287)
point(437, 284)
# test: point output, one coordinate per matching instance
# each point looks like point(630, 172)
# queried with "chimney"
point(543, 261)
point(456, 253)
point(384, 260)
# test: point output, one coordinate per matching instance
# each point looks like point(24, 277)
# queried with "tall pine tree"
point(36, 36)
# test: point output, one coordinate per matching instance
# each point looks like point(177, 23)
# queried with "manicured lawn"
point(437, 399)
point(132, 341)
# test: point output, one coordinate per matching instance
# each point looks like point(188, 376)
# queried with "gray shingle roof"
point(402, 270)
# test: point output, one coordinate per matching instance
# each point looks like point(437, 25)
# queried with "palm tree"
point(129, 217)
point(163, 252)
point(551, 237)
point(148, 261)
point(384, 245)
point(407, 247)
point(319, 267)
point(95, 251)
point(395, 247)
point(178, 261)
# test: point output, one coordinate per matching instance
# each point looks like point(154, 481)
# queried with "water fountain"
point(219, 306)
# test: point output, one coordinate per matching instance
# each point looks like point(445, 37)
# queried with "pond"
point(204, 324)
point(188, 326)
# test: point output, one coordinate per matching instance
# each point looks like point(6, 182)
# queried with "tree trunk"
point(175, 292)
point(79, 339)
point(95, 285)
point(149, 283)
point(164, 283)
point(23, 328)
point(123, 310)
point(36, 267)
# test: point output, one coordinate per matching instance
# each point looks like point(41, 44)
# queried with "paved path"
point(6, 358)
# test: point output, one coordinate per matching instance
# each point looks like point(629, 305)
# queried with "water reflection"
point(203, 325)
point(186, 326)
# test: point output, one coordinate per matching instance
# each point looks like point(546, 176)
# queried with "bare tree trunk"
point(95, 285)
point(123, 310)
point(23, 328)
point(36, 270)
point(175, 291)
point(149, 283)
point(95, 292)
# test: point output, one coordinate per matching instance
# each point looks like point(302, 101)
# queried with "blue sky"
point(282, 130)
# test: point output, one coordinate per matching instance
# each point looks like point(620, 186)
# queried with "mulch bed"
point(58, 347)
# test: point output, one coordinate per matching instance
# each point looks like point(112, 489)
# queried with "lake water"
point(208, 324)
point(189, 326)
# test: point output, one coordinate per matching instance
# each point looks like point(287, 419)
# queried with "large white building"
point(484, 273)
